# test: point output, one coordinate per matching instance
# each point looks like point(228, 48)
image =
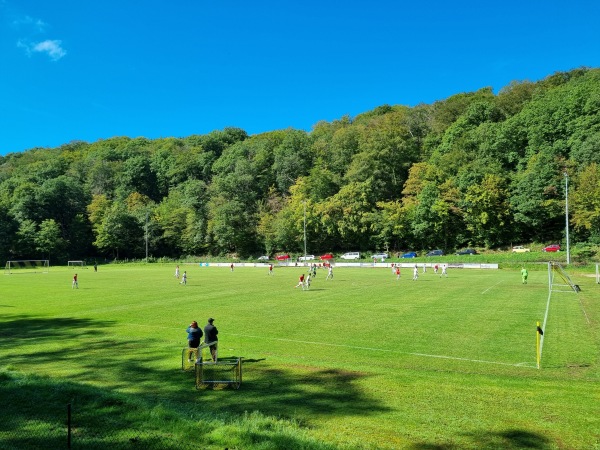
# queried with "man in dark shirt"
point(210, 335)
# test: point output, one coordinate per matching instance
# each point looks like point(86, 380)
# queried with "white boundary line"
point(491, 287)
point(329, 344)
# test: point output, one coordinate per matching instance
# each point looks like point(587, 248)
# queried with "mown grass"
point(364, 361)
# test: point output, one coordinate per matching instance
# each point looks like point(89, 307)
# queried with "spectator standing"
point(210, 336)
point(194, 335)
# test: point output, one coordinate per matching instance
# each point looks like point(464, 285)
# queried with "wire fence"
point(65, 434)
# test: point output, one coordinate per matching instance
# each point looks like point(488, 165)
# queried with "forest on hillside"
point(476, 169)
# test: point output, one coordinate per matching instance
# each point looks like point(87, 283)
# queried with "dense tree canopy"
point(476, 169)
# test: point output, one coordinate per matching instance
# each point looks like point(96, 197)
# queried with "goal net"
point(219, 374)
point(76, 263)
point(27, 266)
point(559, 280)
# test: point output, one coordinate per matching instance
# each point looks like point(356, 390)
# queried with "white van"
point(351, 255)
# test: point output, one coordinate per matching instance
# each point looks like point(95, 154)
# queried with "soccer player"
point(424, 268)
point(177, 272)
point(184, 278)
point(270, 269)
point(415, 273)
point(329, 273)
point(75, 284)
point(300, 281)
point(444, 271)
point(435, 269)
point(524, 275)
point(231, 266)
point(397, 273)
point(306, 284)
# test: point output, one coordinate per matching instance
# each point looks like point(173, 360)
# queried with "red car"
point(282, 257)
point(552, 248)
point(326, 256)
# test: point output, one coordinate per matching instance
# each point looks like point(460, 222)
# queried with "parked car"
point(326, 256)
point(306, 258)
point(282, 257)
point(351, 255)
point(409, 255)
point(435, 253)
point(380, 256)
point(520, 249)
point(552, 248)
point(263, 258)
point(467, 251)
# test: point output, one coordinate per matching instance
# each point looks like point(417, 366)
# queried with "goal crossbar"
point(26, 266)
point(76, 263)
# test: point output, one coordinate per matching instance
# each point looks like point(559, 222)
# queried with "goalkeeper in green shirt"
point(524, 275)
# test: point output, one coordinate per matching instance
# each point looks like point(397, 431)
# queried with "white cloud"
point(52, 48)
point(27, 21)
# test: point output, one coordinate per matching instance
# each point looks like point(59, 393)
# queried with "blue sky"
point(85, 70)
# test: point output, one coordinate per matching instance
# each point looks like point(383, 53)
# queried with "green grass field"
point(363, 361)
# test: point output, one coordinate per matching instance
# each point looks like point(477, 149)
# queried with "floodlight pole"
point(304, 203)
point(146, 238)
point(567, 216)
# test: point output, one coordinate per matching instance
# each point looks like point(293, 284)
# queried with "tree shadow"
point(270, 389)
point(25, 329)
point(307, 392)
point(511, 439)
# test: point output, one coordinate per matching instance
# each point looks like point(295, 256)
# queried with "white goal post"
point(27, 266)
point(76, 263)
point(555, 285)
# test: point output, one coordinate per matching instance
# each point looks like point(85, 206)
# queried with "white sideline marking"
point(455, 358)
point(386, 350)
point(544, 324)
point(493, 286)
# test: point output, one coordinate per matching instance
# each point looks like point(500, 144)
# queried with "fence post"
point(68, 425)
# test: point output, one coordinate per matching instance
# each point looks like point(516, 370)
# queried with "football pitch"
point(360, 361)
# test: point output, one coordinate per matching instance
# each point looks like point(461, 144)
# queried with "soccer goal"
point(27, 266)
point(76, 264)
point(225, 373)
point(559, 280)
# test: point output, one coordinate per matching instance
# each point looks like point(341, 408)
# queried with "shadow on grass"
point(86, 372)
point(86, 351)
point(35, 417)
point(22, 329)
point(507, 440)
point(305, 392)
